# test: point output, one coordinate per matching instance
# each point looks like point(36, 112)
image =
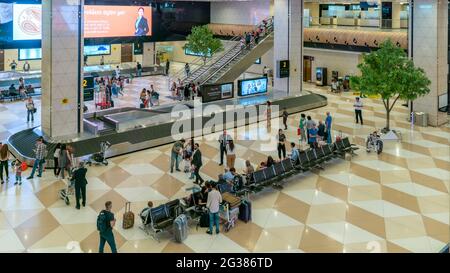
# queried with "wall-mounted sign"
point(283, 69)
point(88, 88)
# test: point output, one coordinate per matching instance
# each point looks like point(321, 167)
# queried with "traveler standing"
point(223, 140)
point(281, 147)
point(358, 110)
point(328, 121)
point(213, 205)
point(56, 155)
point(197, 164)
point(187, 92)
point(105, 225)
point(40, 152)
point(26, 67)
point(309, 124)
point(231, 154)
point(177, 148)
point(139, 69)
point(167, 67)
point(30, 109)
point(64, 160)
point(4, 156)
point(79, 176)
point(117, 72)
point(187, 69)
point(13, 65)
point(302, 127)
point(285, 117)
point(321, 131)
point(312, 138)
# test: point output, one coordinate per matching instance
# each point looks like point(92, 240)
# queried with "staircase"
point(228, 65)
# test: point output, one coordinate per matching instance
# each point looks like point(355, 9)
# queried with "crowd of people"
point(149, 97)
point(184, 91)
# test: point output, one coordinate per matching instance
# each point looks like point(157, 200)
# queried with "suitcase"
point(234, 201)
point(112, 103)
point(142, 106)
point(245, 211)
point(128, 217)
point(180, 228)
point(204, 220)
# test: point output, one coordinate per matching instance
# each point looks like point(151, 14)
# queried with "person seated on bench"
point(22, 92)
point(229, 175)
point(12, 90)
point(261, 166)
point(270, 161)
point(145, 213)
point(295, 154)
point(248, 170)
point(30, 89)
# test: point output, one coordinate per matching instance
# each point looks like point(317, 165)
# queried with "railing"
point(199, 61)
point(267, 32)
point(360, 22)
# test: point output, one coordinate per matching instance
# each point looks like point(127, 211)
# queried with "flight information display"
point(96, 50)
point(217, 92)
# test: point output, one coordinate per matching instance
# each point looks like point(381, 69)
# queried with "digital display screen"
point(30, 54)
point(99, 21)
point(217, 92)
point(88, 88)
point(190, 52)
point(97, 50)
point(258, 61)
point(252, 86)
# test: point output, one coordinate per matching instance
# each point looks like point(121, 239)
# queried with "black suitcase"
point(204, 220)
point(112, 103)
point(245, 211)
point(142, 106)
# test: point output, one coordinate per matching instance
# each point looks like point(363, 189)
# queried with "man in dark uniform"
point(197, 162)
point(79, 177)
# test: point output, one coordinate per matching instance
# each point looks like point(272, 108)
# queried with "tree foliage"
point(201, 40)
point(389, 73)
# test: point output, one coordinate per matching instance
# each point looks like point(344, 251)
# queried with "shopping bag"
point(299, 132)
point(24, 166)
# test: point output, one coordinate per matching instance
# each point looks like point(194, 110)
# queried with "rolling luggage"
point(142, 106)
point(245, 211)
point(204, 220)
point(180, 228)
point(128, 217)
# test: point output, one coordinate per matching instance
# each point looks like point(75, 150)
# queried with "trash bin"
point(421, 119)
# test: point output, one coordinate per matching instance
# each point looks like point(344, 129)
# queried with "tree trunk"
point(388, 112)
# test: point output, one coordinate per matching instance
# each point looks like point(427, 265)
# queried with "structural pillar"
point(429, 50)
point(148, 55)
point(62, 68)
point(288, 44)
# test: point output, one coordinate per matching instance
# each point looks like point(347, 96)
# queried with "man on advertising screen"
point(141, 24)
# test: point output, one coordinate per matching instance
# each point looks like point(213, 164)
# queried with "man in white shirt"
point(213, 205)
point(223, 140)
point(358, 105)
point(117, 72)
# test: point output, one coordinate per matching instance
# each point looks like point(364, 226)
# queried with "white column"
point(430, 51)
point(62, 64)
point(148, 54)
point(288, 44)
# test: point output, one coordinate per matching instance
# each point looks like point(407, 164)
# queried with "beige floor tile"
point(172, 247)
point(332, 188)
point(400, 198)
point(162, 162)
point(79, 232)
point(366, 220)
point(364, 193)
point(327, 213)
point(314, 242)
point(143, 246)
point(118, 202)
point(292, 207)
point(114, 176)
point(36, 228)
point(404, 227)
point(434, 204)
point(58, 238)
point(436, 230)
point(245, 234)
point(167, 185)
point(366, 247)
point(91, 243)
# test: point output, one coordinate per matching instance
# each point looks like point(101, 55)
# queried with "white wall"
point(240, 12)
point(343, 62)
point(13, 54)
point(266, 60)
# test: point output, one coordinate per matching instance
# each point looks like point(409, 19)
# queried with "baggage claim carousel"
point(131, 129)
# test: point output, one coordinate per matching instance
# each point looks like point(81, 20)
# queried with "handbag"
point(299, 131)
point(34, 110)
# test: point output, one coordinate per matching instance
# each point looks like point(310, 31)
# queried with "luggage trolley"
point(228, 216)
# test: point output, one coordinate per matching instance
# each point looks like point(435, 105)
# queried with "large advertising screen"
point(99, 21)
point(252, 86)
point(217, 92)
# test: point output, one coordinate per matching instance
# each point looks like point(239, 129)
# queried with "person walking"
point(64, 161)
point(31, 109)
point(328, 121)
point(177, 148)
point(139, 69)
point(40, 152)
point(18, 171)
point(4, 156)
point(213, 205)
point(231, 154)
point(302, 128)
point(281, 147)
point(105, 225)
point(197, 164)
point(285, 118)
point(312, 136)
point(358, 105)
point(79, 177)
point(167, 67)
point(223, 141)
point(187, 69)
point(56, 154)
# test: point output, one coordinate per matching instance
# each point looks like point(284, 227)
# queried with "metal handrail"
point(269, 31)
point(235, 38)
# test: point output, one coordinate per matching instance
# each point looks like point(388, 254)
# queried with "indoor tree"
point(202, 41)
point(389, 73)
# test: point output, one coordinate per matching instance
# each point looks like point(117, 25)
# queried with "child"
point(18, 169)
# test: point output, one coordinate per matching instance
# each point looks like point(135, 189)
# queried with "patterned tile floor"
point(395, 202)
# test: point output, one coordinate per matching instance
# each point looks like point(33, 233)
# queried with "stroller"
point(99, 158)
point(68, 191)
point(374, 143)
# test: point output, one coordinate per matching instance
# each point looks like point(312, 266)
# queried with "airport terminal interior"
point(98, 96)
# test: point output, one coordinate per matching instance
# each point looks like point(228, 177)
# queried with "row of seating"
point(308, 159)
point(11, 96)
point(160, 218)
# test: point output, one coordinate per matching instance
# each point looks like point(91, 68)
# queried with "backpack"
point(102, 224)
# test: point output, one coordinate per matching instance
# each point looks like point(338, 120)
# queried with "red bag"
point(299, 132)
point(23, 166)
